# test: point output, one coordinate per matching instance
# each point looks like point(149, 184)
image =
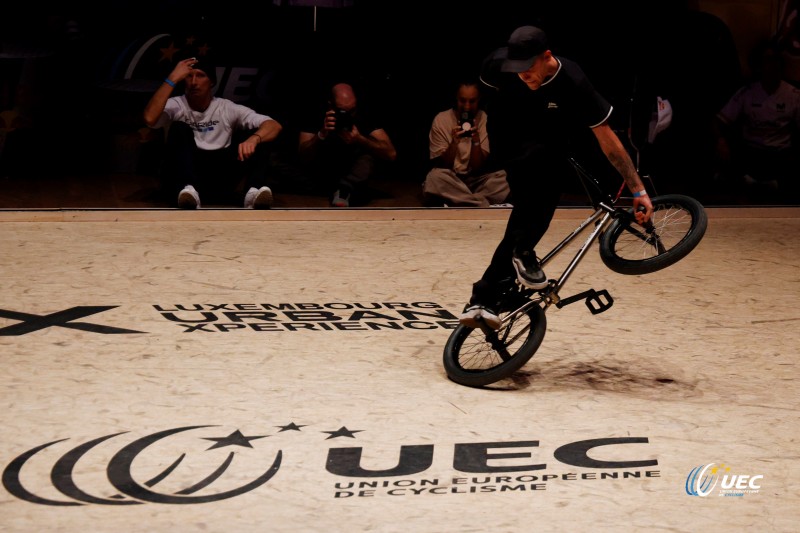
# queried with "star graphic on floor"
point(234, 439)
point(343, 432)
point(290, 427)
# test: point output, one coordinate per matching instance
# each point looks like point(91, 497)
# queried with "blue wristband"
point(169, 82)
point(639, 194)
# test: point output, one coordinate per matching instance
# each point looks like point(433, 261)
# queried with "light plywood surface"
point(285, 375)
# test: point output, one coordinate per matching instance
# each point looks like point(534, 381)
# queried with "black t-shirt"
point(364, 119)
point(334, 156)
point(558, 115)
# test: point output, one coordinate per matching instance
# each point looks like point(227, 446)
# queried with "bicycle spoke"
point(670, 225)
point(501, 344)
point(676, 227)
point(518, 334)
point(481, 351)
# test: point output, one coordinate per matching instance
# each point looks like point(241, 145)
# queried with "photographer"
point(341, 155)
point(459, 150)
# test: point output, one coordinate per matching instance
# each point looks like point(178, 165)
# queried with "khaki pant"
point(442, 184)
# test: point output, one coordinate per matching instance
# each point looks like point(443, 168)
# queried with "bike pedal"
point(596, 301)
point(599, 301)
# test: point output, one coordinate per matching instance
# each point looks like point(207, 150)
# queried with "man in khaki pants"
point(459, 148)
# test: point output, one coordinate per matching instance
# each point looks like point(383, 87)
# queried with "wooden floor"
point(231, 370)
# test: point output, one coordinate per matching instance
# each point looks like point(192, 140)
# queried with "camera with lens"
point(344, 120)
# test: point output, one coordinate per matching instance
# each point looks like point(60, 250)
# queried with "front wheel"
point(476, 358)
point(675, 229)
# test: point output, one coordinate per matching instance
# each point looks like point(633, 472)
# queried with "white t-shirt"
point(441, 135)
point(214, 127)
point(767, 119)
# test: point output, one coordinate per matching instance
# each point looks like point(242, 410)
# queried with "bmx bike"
point(477, 357)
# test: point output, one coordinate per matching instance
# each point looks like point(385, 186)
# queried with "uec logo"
point(699, 483)
point(702, 480)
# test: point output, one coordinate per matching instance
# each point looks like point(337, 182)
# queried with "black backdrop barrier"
point(314, 4)
point(109, 59)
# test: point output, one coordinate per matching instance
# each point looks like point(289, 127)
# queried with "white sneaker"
point(339, 200)
point(258, 198)
point(474, 315)
point(188, 198)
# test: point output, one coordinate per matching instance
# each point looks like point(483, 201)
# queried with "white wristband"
point(639, 194)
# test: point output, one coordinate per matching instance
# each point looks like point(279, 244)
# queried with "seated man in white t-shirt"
point(202, 151)
point(459, 149)
point(758, 127)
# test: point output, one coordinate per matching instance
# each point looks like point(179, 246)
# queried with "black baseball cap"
point(525, 43)
point(208, 67)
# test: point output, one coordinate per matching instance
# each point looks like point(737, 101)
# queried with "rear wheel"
point(476, 358)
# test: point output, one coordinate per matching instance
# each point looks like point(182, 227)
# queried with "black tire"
point(678, 224)
point(475, 359)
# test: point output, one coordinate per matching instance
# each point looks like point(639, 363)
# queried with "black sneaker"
point(474, 315)
point(529, 273)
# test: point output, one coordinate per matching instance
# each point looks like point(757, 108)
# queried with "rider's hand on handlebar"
point(642, 208)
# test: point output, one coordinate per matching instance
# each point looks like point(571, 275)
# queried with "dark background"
point(403, 57)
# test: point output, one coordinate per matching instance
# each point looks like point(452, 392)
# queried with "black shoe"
point(529, 273)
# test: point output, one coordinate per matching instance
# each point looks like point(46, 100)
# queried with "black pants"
point(765, 165)
point(216, 174)
point(340, 166)
point(537, 180)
